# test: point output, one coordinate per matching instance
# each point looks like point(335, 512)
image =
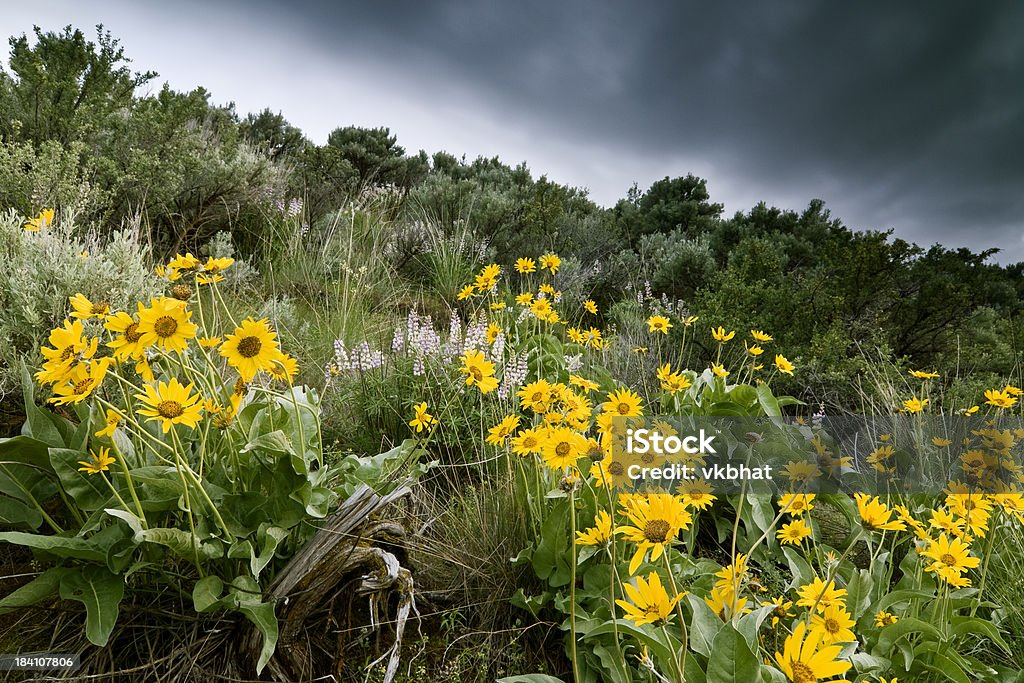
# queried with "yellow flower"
point(423, 419)
point(69, 349)
point(719, 370)
point(590, 307)
point(690, 320)
point(562, 447)
point(781, 609)
point(171, 403)
point(640, 349)
point(183, 264)
point(526, 442)
point(796, 504)
point(650, 601)
point(167, 324)
point(623, 403)
point(794, 532)
point(524, 299)
point(754, 350)
point(951, 559)
point(582, 383)
point(672, 382)
point(466, 292)
point(253, 347)
point(82, 381)
point(283, 367)
point(113, 420)
point(921, 374)
point(818, 595)
point(550, 262)
point(806, 659)
point(498, 433)
point(720, 335)
point(100, 462)
point(783, 365)
point(656, 521)
point(44, 219)
point(999, 399)
point(209, 342)
point(875, 514)
point(915, 405)
point(83, 309)
point(547, 289)
point(526, 265)
point(761, 336)
point(600, 534)
point(216, 265)
point(493, 330)
point(696, 493)
point(479, 371)
point(834, 625)
point(498, 305)
point(883, 619)
point(658, 323)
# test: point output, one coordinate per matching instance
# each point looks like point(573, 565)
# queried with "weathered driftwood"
point(341, 548)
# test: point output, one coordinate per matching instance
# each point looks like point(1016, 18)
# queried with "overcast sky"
point(899, 115)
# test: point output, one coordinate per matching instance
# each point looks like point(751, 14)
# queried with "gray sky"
point(899, 115)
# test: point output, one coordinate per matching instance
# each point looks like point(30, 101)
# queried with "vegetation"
point(239, 368)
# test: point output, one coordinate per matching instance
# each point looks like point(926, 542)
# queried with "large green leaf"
point(90, 491)
point(35, 591)
point(101, 593)
point(40, 424)
point(704, 627)
point(15, 513)
point(263, 617)
point(732, 660)
point(890, 634)
point(61, 546)
point(206, 593)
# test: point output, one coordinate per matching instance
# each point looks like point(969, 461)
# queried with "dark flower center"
point(249, 347)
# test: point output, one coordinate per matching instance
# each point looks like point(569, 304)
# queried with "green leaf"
point(945, 666)
point(39, 424)
point(90, 491)
point(101, 593)
point(890, 634)
point(206, 593)
point(61, 546)
point(704, 627)
point(38, 589)
point(731, 659)
point(13, 512)
point(271, 538)
point(183, 543)
point(769, 404)
point(263, 617)
point(859, 591)
point(802, 573)
point(964, 626)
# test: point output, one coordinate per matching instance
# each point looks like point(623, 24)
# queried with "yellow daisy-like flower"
point(951, 558)
point(497, 434)
point(525, 266)
point(783, 365)
point(209, 342)
point(283, 368)
point(718, 370)
point(780, 610)
point(920, 374)
point(128, 344)
point(696, 493)
point(99, 462)
point(184, 264)
point(423, 419)
point(656, 520)
point(583, 383)
point(493, 330)
point(754, 349)
point(167, 324)
point(624, 403)
point(253, 347)
point(601, 533)
point(479, 371)
point(590, 307)
point(720, 335)
point(83, 309)
point(796, 504)
point(524, 299)
point(217, 265)
point(999, 399)
point(794, 532)
point(527, 442)
point(876, 515)
point(44, 219)
point(113, 419)
point(834, 624)
point(69, 350)
point(914, 405)
point(883, 619)
point(650, 603)
point(561, 447)
point(761, 336)
point(818, 595)
point(82, 381)
point(171, 404)
point(466, 292)
point(806, 659)
point(658, 323)
point(550, 262)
